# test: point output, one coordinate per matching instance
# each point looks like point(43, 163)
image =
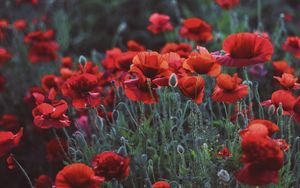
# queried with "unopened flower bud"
point(180, 149)
point(122, 151)
point(173, 81)
point(271, 110)
point(280, 110)
point(248, 83)
point(82, 60)
point(223, 175)
point(144, 159)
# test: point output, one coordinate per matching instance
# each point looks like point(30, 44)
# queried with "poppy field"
point(149, 94)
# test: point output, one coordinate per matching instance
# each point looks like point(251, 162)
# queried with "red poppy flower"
point(152, 71)
point(83, 89)
point(161, 184)
point(192, 87)
point(243, 49)
point(39, 36)
point(159, 23)
point(229, 89)
point(51, 115)
point(135, 46)
point(77, 175)
point(8, 141)
point(111, 165)
point(196, 29)
point(54, 151)
point(281, 67)
point(43, 181)
point(262, 156)
point(43, 52)
point(182, 49)
point(288, 81)
point(292, 45)
point(227, 4)
point(20, 24)
point(67, 62)
point(150, 65)
point(286, 98)
point(111, 55)
point(202, 63)
point(224, 153)
point(4, 56)
point(9, 122)
point(10, 162)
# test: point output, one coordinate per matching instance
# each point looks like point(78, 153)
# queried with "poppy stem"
point(259, 20)
point(249, 93)
point(61, 146)
point(129, 112)
point(177, 10)
point(23, 171)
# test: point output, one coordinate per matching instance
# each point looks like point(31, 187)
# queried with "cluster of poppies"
point(284, 101)
point(262, 156)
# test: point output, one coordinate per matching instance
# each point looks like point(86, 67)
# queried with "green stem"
point(23, 171)
point(249, 94)
point(259, 19)
point(60, 145)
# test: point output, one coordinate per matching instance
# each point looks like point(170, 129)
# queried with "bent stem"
point(23, 171)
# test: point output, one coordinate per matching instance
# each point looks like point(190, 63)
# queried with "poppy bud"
point(248, 83)
point(280, 110)
point(122, 151)
point(271, 110)
point(180, 149)
point(223, 175)
point(123, 140)
point(122, 26)
point(144, 159)
point(82, 60)
point(115, 115)
point(173, 81)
